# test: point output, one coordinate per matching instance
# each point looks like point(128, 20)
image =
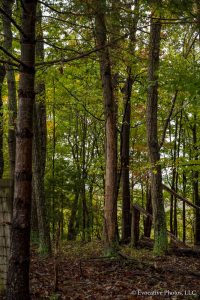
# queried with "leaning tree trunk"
point(12, 101)
point(110, 206)
point(18, 269)
point(39, 147)
point(160, 231)
point(2, 76)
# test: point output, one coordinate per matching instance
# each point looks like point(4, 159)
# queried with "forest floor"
point(82, 273)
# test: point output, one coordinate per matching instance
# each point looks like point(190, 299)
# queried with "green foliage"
point(75, 112)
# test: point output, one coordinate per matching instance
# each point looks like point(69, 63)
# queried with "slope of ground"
point(80, 272)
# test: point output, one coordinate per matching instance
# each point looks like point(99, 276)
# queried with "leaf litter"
point(82, 273)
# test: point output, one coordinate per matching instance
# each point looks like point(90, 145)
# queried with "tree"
point(2, 76)
point(18, 270)
point(125, 135)
point(160, 231)
point(110, 205)
point(39, 146)
point(12, 101)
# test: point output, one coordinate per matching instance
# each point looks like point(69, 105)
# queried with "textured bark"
point(18, 270)
point(195, 178)
point(85, 229)
point(184, 212)
point(135, 234)
point(12, 101)
point(160, 231)
point(148, 220)
point(2, 76)
point(71, 226)
point(125, 136)
point(39, 147)
point(110, 206)
point(126, 216)
point(53, 159)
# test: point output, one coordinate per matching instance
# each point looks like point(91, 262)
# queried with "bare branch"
point(168, 119)
point(12, 56)
point(82, 55)
point(9, 63)
point(79, 101)
point(13, 22)
point(165, 187)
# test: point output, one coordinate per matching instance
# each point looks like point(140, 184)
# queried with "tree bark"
point(2, 76)
point(12, 99)
point(126, 215)
point(18, 270)
point(148, 220)
point(110, 206)
point(125, 136)
point(160, 231)
point(195, 178)
point(71, 225)
point(39, 147)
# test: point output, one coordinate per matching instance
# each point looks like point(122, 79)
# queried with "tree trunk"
point(135, 227)
point(184, 215)
point(184, 181)
point(18, 270)
point(71, 225)
point(39, 147)
point(148, 220)
point(173, 200)
point(12, 101)
point(160, 231)
point(126, 216)
point(53, 159)
point(125, 137)
point(2, 76)
point(110, 206)
point(195, 178)
point(85, 229)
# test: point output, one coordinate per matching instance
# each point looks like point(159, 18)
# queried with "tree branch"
point(79, 101)
point(12, 21)
point(82, 55)
point(165, 187)
point(3, 61)
point(168, 119)
point(12, 56)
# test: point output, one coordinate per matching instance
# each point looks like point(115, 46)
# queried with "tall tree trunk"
point(110, 206)
point(2, 76)
point(173, 202)
point(53, 158)
point(85, 229)
point(18, 270)
point(195, 178)
point(125, 137)
point(12, 101)
point(39, 146)
point(160, 231)
point(126, 216)
point(183, 216)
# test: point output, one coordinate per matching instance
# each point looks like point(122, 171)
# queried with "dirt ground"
point(80, 272)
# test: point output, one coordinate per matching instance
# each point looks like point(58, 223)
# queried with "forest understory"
point(81, 272)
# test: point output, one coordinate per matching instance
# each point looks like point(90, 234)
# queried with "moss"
point(2, 286)
point(111, 250)
point(160, 243)
point(43, 249)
